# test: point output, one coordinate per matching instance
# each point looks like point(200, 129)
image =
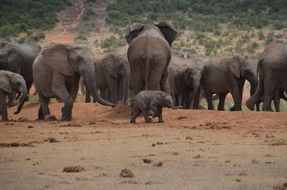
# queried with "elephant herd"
point(58, 70)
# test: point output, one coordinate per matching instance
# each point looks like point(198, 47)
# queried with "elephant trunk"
point(90, 79)
point(23, 98)
point(124, 88)
point(253, 83)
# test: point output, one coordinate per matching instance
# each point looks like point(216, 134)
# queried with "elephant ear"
point(5, 82)
point(110, 65)
point(56, 55)
point(133, 31)
point(234, 66)
point(168, 31)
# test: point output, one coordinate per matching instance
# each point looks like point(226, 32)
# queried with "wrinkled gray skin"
point(272, 69)
point(57, 70)
point(276, 100)
point(18, 58)
point(11, 83)
point(150, 100)
point(188, 87)
point(112, 78)
point(228, 75)
point(149, 54)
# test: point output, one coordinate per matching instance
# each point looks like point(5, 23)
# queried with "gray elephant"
point(57, 70)
point(228, 75)
point(150, 100)
point(11, 83)
point(19, 58)
point(149, 54)
point(112, 78)
point(271, 69)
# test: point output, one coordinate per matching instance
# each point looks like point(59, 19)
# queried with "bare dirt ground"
point(190, 150)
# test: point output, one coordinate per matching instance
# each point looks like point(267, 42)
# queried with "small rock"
point(147, 161)
point(30, 126)
point(127, 173)
point(189, 138)
point(158, 164)
point(52, 140)
point(238, 180)
point(175, 153)
point(22, 119)
point(254, 162)
point(197, 156)
point(73, 169)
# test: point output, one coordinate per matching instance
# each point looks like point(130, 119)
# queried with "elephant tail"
point(147, 63)
point(130, 101)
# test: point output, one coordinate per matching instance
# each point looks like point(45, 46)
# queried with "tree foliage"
point(22, 15)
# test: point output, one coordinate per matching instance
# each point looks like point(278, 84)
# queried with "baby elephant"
point(150, 100)
point(11, 83)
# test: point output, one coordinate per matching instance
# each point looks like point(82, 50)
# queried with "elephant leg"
point(103, 94)
point(269, 93)
point(3, 106)
point(164, 85)
point(235, 93)
point(221, 103)
point(134, 114)
point(209, 101)
point(155, 80)
point(113, 91)
point(157, 112)
point(276, 101)
point(43, 109)
point(60, 89)
point(73, 88)
point(138, 84)
point(145, 114)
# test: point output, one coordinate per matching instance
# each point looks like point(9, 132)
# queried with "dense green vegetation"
point(18, 16)
point(201, 15)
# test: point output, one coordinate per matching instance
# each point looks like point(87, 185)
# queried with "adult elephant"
point(112, 78)
point(57, 70)
point(228, 75)
point(149, 54)
point(272, 69)
point(19, 58)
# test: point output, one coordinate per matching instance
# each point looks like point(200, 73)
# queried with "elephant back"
point(275, 54)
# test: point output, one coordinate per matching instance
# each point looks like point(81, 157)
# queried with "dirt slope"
point(191, 150)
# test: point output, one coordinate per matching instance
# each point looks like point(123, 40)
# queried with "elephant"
point(149, 54)
point(11, 83)
point(19, 58)
point(57, 70)
point(272, 69)
point(112, 78)
point(150, 100)
point(228, 75)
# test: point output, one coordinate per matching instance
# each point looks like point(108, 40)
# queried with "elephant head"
point(242, 68)
point(165, 29)
point(13, 82)
point(168, 102)
point(10, 58)
point(69, 59)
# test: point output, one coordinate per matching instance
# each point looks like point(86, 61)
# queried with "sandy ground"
point(190, 150)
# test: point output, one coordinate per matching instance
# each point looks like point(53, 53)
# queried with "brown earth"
point(190, 150)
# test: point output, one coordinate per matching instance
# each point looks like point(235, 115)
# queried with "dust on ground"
point(192, 149)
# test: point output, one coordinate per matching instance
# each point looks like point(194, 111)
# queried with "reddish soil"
point(190, 150)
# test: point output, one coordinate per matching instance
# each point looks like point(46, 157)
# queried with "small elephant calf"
point(150, 100)
point(11, 83)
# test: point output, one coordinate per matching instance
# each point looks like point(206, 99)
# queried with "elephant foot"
point(161, 121)
point(249, 104)
point(132, 121)
point(50, 118)
point(5, 119)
